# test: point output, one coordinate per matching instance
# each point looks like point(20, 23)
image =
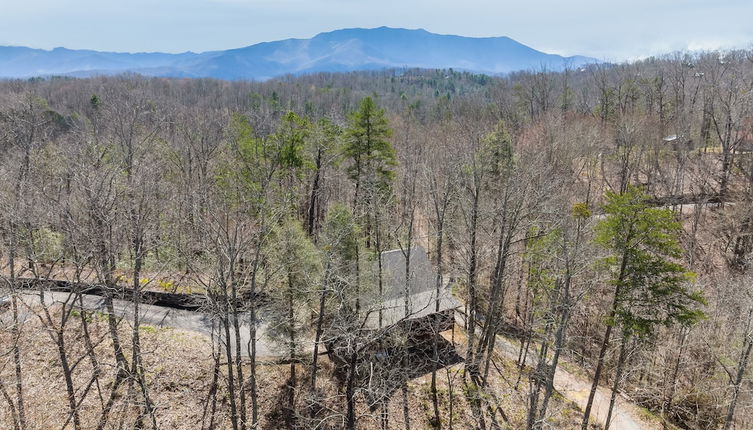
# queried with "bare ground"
point(179, 369)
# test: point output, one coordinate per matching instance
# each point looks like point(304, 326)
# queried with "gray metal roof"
point(422, 293)
point(422, 275)
point(419, 306)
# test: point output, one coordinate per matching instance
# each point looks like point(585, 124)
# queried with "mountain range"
point(336, 51)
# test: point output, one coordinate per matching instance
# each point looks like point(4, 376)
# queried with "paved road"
point(164, 317)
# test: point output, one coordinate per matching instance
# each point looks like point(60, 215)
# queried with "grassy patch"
point(148, 329)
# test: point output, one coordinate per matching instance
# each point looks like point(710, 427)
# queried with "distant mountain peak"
point(342, 50)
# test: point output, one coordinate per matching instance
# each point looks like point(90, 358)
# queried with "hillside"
point(337, 51)
point(593, 256)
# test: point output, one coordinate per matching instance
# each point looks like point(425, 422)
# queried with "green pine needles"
point(652, 287)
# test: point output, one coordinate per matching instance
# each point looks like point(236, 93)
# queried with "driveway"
point(158, 316)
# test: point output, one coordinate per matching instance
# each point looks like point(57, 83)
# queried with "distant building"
point(679, 143)
point(744, 137)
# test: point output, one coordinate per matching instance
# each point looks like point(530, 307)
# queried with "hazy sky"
point(606, 29)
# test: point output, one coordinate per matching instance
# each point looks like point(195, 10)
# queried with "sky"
point(604, 29)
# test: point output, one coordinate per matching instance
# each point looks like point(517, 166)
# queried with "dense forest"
point(595, 223)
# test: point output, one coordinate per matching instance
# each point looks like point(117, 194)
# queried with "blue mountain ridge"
point(345, 50)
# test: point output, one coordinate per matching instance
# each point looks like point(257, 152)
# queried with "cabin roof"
point(422, 295)
point(419, 305)
point(422, 274)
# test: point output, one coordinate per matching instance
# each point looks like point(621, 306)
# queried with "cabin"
point(416, 304)
point(402, 326)
point(743, 137)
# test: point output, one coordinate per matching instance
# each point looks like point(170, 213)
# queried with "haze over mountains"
point(336, 51)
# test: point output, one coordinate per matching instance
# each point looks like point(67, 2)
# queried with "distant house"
point(678, 143)
point(744, 137)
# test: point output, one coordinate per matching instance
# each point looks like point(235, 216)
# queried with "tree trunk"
point(617, 378)
point(318, 335)
point(406, 410)
point(229, 353)
point(604, 344)
point(238, 347)
point(559, 342)
point(472, 276)
point(311, 214)
point(137, 367)
point(211, 401)
point(16, 334)
point(667, 404)
point(11, 406)
point(495, 314)
point(597, 376)
point(291, 352)
point(350, 392)
point(70, 389)
point(252, 330)
point(440, 210)
point(742, 365)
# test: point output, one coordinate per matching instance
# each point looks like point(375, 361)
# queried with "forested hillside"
point(344, 50)
point(595, 223)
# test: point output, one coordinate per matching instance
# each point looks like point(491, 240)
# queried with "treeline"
point(535, 193)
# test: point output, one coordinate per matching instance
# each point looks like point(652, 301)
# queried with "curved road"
point(158, 316)
point(626, 416)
